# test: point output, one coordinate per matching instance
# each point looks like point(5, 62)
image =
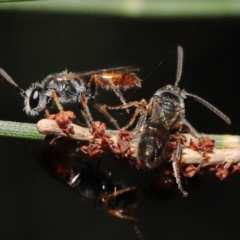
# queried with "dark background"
point(33, 45)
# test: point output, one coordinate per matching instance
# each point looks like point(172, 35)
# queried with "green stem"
point(20, 130)
point(131, 8)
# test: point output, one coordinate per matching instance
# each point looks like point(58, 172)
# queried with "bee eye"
point(34, 98)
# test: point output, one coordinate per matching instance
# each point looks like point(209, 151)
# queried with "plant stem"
point(44, 126)
point(19, 130)
point(227, 147)
point(131, 8)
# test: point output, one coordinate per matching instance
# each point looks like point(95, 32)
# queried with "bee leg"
point(63, 118)
point(190, 127)
point(139, 106)
point(185, 126)
point(140, 110)
point(119, 95)
point(176, 158)
point(83, 101)
point(115, 193)
point(120, 214)
point(103, 110)
point(47, 113)
point(100, 107)
point(56, 100)
point(203, 144)
point(182, 127)
point(110, 84)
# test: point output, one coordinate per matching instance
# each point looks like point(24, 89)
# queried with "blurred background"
point(34, 44)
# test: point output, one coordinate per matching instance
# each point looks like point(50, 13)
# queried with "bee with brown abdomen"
point(61, 89)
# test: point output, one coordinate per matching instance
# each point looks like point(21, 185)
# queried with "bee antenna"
point(10, 81)
point(179, 64)
point(211, 107)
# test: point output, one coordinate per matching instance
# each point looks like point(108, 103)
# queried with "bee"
point(160, 122)
point(61, 89)
point(93, 185)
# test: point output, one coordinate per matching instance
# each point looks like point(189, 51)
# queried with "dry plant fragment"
point(222, 159)
point(48, 127)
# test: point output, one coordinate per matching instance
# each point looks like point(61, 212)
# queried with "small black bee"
point(160, 122)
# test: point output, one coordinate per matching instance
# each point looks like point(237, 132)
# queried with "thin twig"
point(227, 147)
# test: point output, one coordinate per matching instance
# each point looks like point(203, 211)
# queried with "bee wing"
point(122, 70)
point(120, 77)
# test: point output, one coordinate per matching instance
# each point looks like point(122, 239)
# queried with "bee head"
point(183, 93)
point(171, 98)
point(35, 101)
